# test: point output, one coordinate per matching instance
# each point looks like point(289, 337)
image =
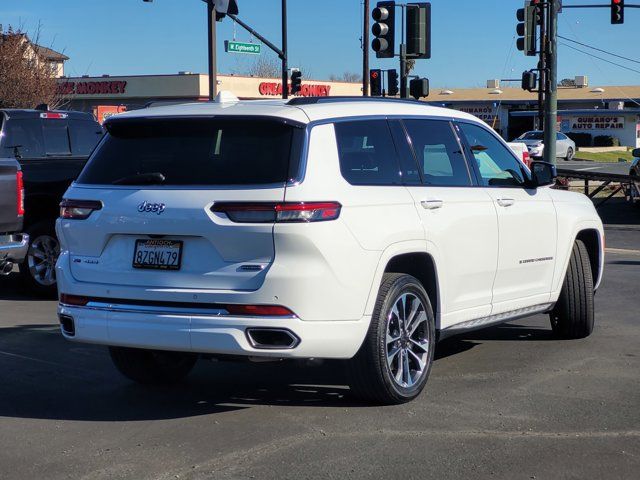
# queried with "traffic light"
point(529, 80)
point(617, 12)
point(375, 82)
point(296, 81)
point(526, 29)
point(419, 88)
point(384, 29)
point(392, 83)
point(419, 30)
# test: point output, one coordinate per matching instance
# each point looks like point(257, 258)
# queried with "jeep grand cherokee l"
point(336, 228)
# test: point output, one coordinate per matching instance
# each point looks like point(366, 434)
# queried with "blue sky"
point(473, 40)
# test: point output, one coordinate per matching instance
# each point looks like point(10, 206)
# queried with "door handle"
point(431, 204)
point(506, 202)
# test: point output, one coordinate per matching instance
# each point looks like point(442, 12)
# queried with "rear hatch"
point(156, 181)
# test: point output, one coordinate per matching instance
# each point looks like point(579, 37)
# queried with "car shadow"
point(12, 287)
point(44, 376)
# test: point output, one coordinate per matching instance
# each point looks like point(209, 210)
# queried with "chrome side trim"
point(494, 319)
point(177, 311)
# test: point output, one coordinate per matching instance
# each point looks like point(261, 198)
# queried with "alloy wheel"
point(41, 258)
point(407, 340)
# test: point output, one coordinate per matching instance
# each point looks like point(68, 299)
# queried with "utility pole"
point(365, 51)
point(285, 66)
point(542, 65)
point(551, 98)
point(211, 29)
point(403, 59)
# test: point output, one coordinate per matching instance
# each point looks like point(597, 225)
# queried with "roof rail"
point(313, 100)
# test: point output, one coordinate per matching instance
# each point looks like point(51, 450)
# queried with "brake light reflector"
point(78, 209)
point(75, 300)
point(259, 310)
point(278, 212)
point(526, 158)
point(20, 194)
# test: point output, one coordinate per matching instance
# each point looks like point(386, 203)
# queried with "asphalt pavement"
point(509, 402)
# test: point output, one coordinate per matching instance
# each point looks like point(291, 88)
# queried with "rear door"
point(526, 220)
point(157, 181)
point(459, 220)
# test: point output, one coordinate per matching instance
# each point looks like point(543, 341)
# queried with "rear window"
point(194, 152)
point(24, 137)
point(84, 135)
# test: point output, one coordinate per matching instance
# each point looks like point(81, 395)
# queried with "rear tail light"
point(78, 209)
point(526, 158)
point(53, 115)
point(280, 212)
point(20, 194)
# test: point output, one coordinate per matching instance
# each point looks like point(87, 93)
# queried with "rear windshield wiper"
point(153, 178)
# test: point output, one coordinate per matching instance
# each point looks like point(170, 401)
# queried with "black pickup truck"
point(51, 147)
point(13, 244)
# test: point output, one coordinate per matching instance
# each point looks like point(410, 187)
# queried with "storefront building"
point(107, 95)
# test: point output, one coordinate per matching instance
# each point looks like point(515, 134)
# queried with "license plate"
point(158, 254)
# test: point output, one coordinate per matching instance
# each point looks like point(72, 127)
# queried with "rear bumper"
point(13, 248)
point(211, 333)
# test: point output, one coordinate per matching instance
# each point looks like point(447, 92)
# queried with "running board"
point(493, 320)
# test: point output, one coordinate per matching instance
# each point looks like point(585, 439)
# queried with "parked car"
point(634, 171)
point(534, 140)
point(13, 244)
point(51, 147)
point(521, 150)
point(360, 229)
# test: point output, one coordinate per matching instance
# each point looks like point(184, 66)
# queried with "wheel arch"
point(591, 239)
point(415, 261)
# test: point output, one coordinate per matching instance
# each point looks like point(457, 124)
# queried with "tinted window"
point(56, 137)
point(410, 174)
point(496, 164)
point(26, 135)
point(367, 153)
point(438, 152)
point(193, 152)
point(532, 136)
point(84, 134)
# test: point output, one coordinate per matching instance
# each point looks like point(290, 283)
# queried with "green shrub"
point(581, 139)
point(606, 141)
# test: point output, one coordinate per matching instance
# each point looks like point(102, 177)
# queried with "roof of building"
point(508, 94)
point(327, 108)
point(49, 54)
point(583, 111)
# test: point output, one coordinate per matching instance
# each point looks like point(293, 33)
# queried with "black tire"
point(573, 314)
point(152, 367)
point(570, 154)
point(370, 375)
point(41, 233)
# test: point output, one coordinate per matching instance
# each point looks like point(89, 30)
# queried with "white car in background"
point(357, 229)
point(534, 140)
point(521, 150)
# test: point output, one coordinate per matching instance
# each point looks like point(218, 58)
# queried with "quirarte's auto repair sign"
point(599, 122)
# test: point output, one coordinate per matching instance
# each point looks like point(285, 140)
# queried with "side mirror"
point(542, 174)
point(636, 152)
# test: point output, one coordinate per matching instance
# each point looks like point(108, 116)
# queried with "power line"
point(600, 58)
point(599, 49)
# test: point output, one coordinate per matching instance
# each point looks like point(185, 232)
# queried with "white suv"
point(319, 228)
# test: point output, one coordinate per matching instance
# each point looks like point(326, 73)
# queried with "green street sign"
point(241, 47)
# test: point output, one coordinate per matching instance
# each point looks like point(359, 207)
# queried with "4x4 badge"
point(151, 207)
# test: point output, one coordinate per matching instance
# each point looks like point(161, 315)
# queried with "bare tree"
point(348, 77)
point(266, 67)
point(25, 79)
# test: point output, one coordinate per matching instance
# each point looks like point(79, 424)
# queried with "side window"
point(56, 137)
point(498, 167)
point(438, 152)
point(410, 173)
point(24, 136)
point(84, 136)
point(367, 153)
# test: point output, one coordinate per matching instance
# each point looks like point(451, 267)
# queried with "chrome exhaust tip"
point(6, 268)
point(272, 338)
point(67, 324)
